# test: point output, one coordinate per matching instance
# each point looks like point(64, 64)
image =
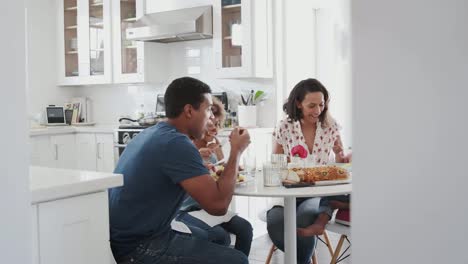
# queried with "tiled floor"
point(261, 247)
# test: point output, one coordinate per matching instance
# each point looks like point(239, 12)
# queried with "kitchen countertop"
point(48, 184)
point(44, 130)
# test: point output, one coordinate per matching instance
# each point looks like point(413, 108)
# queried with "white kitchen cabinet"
point(63, 149)
point(86, 151)
point(105, 152)
point(56, 151)
point(84, 42)
point(41, 151)
point(243, 38)
point(133, 58)
point(95, 152)
point(74, 230)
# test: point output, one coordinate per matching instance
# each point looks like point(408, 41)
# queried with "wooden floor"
point(261, 247)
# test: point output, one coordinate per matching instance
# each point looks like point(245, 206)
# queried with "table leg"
point(290, 248)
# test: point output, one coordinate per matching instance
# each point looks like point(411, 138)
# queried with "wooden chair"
point(325, 240)
point(345, 232)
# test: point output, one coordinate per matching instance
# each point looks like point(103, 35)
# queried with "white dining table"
point(255, 188)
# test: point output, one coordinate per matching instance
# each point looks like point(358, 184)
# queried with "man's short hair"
point(183, 91)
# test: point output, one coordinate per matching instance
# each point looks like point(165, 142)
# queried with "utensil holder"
point(247, 115)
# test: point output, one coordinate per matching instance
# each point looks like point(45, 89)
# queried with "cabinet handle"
point(98, 152)
point(56, 151)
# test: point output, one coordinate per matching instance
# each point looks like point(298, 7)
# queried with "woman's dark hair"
point(298, 94)
point(183, 91)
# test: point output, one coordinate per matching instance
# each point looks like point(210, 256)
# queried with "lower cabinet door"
point(86, 152)
point(74, 230)
point(105, 152)
point(42, 153)
point(63, 148)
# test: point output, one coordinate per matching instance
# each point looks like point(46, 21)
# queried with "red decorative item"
point(299, 151)
point(343, 216)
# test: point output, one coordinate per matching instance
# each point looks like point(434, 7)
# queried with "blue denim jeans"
point(172, 247)
point(325, 203)
point(306, 212)
point(243, 231)
point(219, 234)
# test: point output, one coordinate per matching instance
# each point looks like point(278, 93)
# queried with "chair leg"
point(338, 249)
point(314, 258)
point(328, 243)
point(270, 254)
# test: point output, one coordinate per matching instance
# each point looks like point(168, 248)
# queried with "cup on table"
point(272, 174)
point(250, 162)
point(280, 160)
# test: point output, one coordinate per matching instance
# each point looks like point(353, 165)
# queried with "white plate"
point(246, 180)
point(322, 183)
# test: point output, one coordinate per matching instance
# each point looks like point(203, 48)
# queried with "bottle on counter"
point(234, 122)
point(228, 120)
point(140, 113)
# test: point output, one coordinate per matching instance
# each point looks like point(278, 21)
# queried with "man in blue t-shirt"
point(160, 166)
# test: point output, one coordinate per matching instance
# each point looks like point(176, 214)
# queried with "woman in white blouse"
point(309, 128)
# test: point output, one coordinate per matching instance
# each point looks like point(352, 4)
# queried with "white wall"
point(334, 61)
point(315, 44)
point(410, 131)
point(42, 53)
point(15, 222)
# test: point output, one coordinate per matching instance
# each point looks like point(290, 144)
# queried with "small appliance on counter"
point(55, 115)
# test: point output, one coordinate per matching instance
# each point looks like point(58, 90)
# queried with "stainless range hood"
point(173, 26)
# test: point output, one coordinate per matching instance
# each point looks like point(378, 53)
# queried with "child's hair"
point(218, 112)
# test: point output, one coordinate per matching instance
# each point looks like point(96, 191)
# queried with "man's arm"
point(215, 196)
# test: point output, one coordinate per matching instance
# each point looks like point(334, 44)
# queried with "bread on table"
point(321, 173)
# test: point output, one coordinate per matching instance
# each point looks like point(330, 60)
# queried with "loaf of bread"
point(321, 173)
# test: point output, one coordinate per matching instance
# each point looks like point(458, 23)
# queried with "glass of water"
point(272, 174)
point(250, 162)
point(280, 161)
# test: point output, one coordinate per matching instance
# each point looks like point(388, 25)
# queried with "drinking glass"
point(272, 174)
point(281, 161)
point(249, 161)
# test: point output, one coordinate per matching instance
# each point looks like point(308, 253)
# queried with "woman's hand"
point(342, 158)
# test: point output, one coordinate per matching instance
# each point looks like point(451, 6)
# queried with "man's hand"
point(240, 139)
point(205, 152)
point(210, 166)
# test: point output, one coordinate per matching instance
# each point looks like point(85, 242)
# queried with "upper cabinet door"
point(242, 39)
point(84, 37)
point(67, 26)
point(98, 27)
point(128, 55)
